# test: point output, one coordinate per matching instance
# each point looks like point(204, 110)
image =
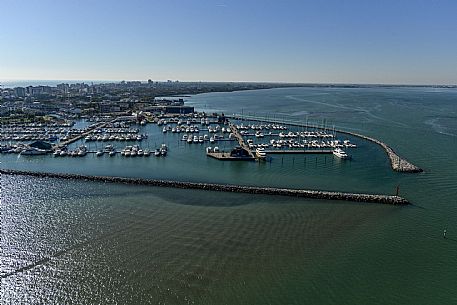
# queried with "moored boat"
point(338, 152)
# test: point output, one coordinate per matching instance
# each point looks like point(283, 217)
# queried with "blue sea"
point(79, 242)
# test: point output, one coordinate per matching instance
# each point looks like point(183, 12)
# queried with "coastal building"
point(19, 92)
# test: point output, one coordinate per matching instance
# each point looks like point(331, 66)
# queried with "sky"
point(333, 41)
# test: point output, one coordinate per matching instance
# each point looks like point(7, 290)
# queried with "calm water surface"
point(75, 242)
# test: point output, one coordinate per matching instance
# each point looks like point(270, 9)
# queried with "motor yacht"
point(340, 153)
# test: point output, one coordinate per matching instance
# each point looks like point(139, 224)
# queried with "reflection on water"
point(77, 242)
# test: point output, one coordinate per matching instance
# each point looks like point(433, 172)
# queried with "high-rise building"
point(19, 92)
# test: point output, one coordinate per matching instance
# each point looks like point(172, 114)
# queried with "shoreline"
point(311, 194)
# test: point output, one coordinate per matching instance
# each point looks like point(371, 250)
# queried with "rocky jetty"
point(398, 164)
point(314, 194)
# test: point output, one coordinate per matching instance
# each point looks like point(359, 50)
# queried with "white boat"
point(33, 151)
point(260, 153)
point(100, 153)
point(340, 153)
point(82, 153)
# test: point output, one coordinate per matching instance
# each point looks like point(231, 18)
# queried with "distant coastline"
point(253, 85)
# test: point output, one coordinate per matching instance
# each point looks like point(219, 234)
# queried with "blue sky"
point(412, 42)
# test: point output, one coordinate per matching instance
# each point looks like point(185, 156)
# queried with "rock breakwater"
point(313, 194)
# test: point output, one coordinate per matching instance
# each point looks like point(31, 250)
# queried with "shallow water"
point(83, 243)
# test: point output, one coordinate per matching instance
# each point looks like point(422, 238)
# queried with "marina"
point(99, 226)
point(252, 138)
point(397, 163)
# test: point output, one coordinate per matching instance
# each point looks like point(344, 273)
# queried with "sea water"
point(83, 242)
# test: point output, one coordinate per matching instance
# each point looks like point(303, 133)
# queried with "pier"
point(312, 194)
point(299, 151)
point(82, 135)
point(397, 163)
point(225, 156)
point(240, 140)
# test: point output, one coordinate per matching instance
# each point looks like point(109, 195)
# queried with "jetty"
point(300, 193)
point(397, 163)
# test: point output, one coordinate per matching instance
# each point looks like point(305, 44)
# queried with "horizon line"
point(107, 81)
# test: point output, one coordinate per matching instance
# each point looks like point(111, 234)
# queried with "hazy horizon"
point(11, 83)
point(355, 42)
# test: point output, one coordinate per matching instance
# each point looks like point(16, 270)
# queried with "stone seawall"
point(397, 163)
point(356, 197)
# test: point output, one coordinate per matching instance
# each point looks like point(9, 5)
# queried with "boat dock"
point(240, 140)
point(225, 156)
point(82, 135)
point(299, 151)
point(397, 163)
